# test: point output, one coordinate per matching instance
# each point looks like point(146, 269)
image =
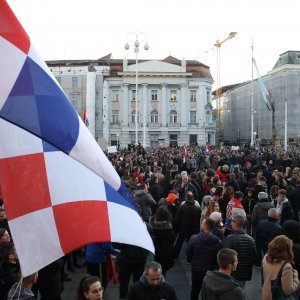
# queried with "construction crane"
point(218, 45)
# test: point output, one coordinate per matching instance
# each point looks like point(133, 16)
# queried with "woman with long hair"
point(223, 201)
point(279, 255)
point(90, 288)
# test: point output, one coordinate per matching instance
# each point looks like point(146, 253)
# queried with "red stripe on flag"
point(80, 223)
point(24, 184)
point(8, 25)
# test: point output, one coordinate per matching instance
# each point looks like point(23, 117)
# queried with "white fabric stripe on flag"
point(16, 141)
point(70, 181)
point(87, 151)
point(134, 232)
point(11, 62)
point(36, 240)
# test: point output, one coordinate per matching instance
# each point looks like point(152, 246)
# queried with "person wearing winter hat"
point(171, 198)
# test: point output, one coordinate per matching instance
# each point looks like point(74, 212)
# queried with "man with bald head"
point(268, 229)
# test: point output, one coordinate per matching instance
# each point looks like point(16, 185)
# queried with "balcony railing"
point(154, 125)
point(132, 125)
point(174, 125)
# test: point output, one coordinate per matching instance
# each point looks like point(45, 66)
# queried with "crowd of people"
point(235, 208)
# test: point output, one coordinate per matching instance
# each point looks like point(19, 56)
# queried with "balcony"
point(132, 125)
point(174, 125)
point(193, 125)
point(154, 125)
point(115, 125)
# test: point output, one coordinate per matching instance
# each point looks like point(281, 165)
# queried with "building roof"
point(195, 67)
point(288, 58)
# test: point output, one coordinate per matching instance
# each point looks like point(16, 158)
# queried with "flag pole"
point(252, 108)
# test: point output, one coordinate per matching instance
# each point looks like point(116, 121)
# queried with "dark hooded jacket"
point(219, 286)
point(142, 290)
point(244, 245)
point(163, 238)
point(202, 251)
point(260, 211)
point(291, 229)
point(145, 201)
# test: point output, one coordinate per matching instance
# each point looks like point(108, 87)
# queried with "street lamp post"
point(136, 44)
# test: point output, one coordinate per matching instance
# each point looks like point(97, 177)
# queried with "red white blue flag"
point(60, 191)
point(185, 153)
point(85, 119)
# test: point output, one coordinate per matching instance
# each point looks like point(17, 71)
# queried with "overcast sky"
point(90, 29)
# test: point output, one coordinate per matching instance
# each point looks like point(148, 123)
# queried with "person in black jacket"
point(244, 245)
point(284, 208)
point(50, 281)
point(187, 220)
point(219, 285)
point(201, 252)
point(294, 198)
point(152, 285)
point(266, 231)
point(9, 269)
point(163, 238)
point(131, 262)
point(291, 229)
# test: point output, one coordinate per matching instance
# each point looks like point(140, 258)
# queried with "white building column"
point(124, 106)
point(145, 113)
point(164, 104)
point(91, 100)
point(105, 112)
point(184, 105)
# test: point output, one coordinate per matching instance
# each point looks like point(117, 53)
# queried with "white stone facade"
point(174, 100)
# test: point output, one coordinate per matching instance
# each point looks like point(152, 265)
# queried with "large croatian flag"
point(60, 191)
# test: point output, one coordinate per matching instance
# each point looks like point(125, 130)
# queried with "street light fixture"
point(136, 36)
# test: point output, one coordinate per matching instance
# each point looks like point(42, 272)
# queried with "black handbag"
point(276, 290)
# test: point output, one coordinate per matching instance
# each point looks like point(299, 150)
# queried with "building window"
point(193, 96)
point(173, 116)
point(133, 117)
point(154, 116)
point(193, 115)
point(115, 95)
point(58, 79)
point(193, 139)
point(154, 95)
point(208, 117)
point(115, 116)
point(74, 82)
point(75, 101)
point(133, 93)
point(208, 96)
point(173, 95)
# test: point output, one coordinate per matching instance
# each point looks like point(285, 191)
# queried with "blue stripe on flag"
point(123, 190)
point(48, 147)
point(37, 104)
point(113, 196)
point(116, 197)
